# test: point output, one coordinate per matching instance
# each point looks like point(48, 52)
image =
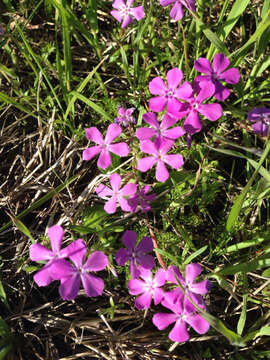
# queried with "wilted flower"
point(125, 117)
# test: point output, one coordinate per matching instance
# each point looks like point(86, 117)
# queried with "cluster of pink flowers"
point(70, 274)
point(182, 300)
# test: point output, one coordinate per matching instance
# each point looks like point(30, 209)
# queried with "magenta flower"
point(39, 252)
point(159, 130)
point(260, 118)
point(168, 94)
point(158, 150)
point(125, 12)
point(135, 254)
point(104, 146)
point(192, 271)
point(217, 73)
point(183, 312)
point(116, 194)
point(177, 11)
point(148, 288)
point(140, 201)
point(125, 116)
point(72, 275)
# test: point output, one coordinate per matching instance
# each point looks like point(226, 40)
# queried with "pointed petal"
point(211, 111)
point(164, 145)
point(168, 121)
point(39, 252)
point(92, 285)
point(179, 332)
point(114, 130)
point(56, 234)
point(43, 276)
point(146, 261)
point(117, 4)
point(129, 189)
point(174, 133)
point(201, 287)
point(94, 134)
point(138, 12)
point(144, 164)
point(221, 92)
point(160, 277)
point(136, 286)
point(231, 76)
point(198, 323)
point(207, 89)
point(157, 86)
point(91, 152)
point(177, 12)
point(173, 300)
point(124, 204)
point(148, 147)
point(178, 111)
point(162, 173)
point(185, 91)
point(117, 15)
point(122, 256)
point(77, 251)
point(120, 149)
point(104, 160)
point(175, 161)
point(174, 275)
point(103, 191)
point(97, 261)
point(166, 2)
point(163, 320)
point(193, 124)
point(77, 245)
point(110, 206)
point(174, 77)
point(203, 65)
point(158, 295)
point(126, 21)
point(61, 269)
point(145, 245)
point(69, 287)
point(129, 239)
point(151, 119)
point(144, 301)
point(145, 133)
point(192, 271)
point(157, 103)
point(115, 181)
point(146, 275)
point(220, 63)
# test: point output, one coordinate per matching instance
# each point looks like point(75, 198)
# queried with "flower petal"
point(145, 245)
point(201, 287)
point(39, 252)
point(103, 191)
point(231, 76)
point(76, 252)
point(174, 77)
point(117, 4)
point(148, 147)
point(146, 261)
point(207, 89)
point(192, 124)
point(136, 286)
point(114, 130)
point(221, 92)
point(175, 161)
point(118, 15)
point(92, 285)
point(158, 295)
point(198, 323)
point(138, 12)
point(104, 160)
point(163, 320)
point(115, 181)
point(129, 239)
point(97, 261)
point(211, 111)
point(56, 234)
point(129, 189)
point(110, 206)
point(122, 256)
point(145, 133)
point(157, 103)
point(91, 152)
point(177, 12)
point(220, 63)
point(144, 164)
point(166, 2)
point(126, 21)
point(43, 276)
point(144, 301)
point(160, 277)
point(69, 287)
point(179, 332)
point(120, 149)
point(94, 134)
point(203, 65)
point(157, 86)
point(162, 173)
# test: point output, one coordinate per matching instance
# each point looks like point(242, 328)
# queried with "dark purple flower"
point(168, 95)
point(125, 12)
point(260, 118)
point(140, 201)
point(159, 157)
point(148, 288)
point(159, 130)
point(183, 312)
point(125, 117)
point(135, 254)
point(71, 276)
point(116, 194)
point(217, 73)
point(104, 147)
point(177, 11)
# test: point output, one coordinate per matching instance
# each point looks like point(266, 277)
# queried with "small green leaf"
point(243, 316)
point(195, 254)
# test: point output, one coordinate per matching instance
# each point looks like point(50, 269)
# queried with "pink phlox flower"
point(39, 252)
point(148, 287)
point(260, 119)
point(217, 73)
point(183, 312)
point(159, 150)
point(71, 275)
point(192, 271)
point(125, 12)
point(135, 254)
point(140, 201)
point(125, 117)
point(159, 130)
point(104, 147)
point(194, 106)
point(177, 11)
point(116, 195)
point(168, 95)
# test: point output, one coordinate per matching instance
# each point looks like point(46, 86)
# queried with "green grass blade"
point(242, 245)
point(195, 254)
point(67, 48)
point(243, 316)
point(237, 206)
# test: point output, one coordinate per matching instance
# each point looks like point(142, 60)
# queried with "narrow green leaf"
point(195, 254)
point(3, 296)
point(243, 316)
point(248, 266)
point(169, 256)
point(243, 245)
point(263, 331)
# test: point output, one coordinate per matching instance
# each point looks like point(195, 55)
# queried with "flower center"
point(125, 10)
point(169, 93)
